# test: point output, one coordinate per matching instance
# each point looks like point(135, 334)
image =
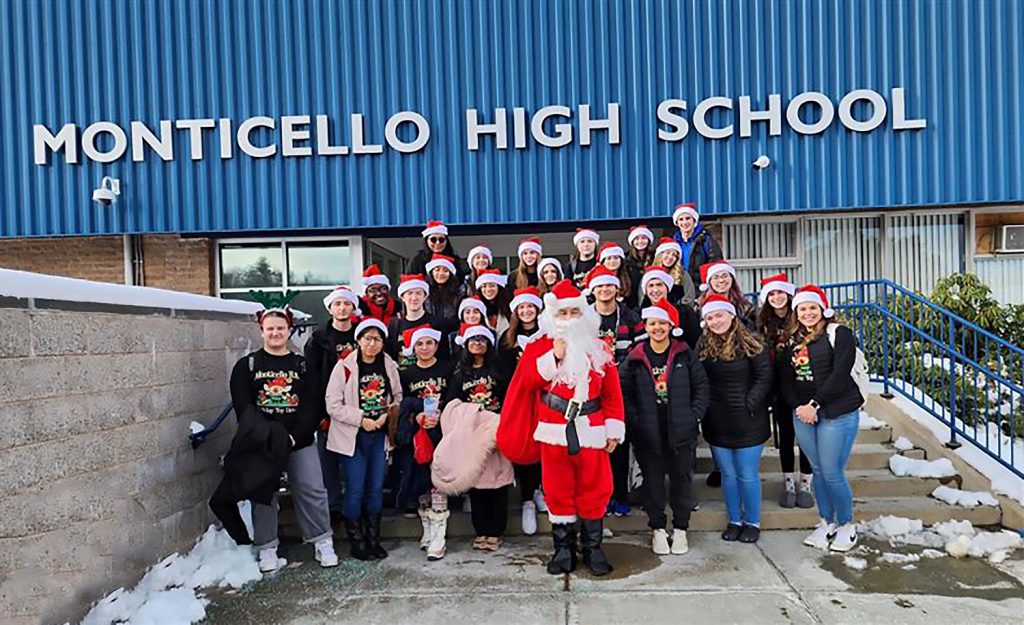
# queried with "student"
point(274, 401)
point(479, 379)
point(377, 301)
point(666, 394)
point(697, 246)
point(413, 290)
point(472, 311)
point(736, 425)
point(525, 274)
point(612, 257)
point(583, 257)
point(364, 392)
point(491, 285)
point(526, 307)
point(423, 386)
point(776, 321)
point(480, 258)
point(639, 257)
point(331, 342)
point(618, 330)
point(719, 278)
point(815, 371)
point(655, 285)
point(444, 292)
point(436, 241)
point(550, 271)
point(667, 255)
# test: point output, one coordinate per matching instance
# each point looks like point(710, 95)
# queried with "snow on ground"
point(903, 444)
point(957, 538)
point(964, 498)
point(857, 564)
point(196, 427)
point(903, 466)
point(867, 422)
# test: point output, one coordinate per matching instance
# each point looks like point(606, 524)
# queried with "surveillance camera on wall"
point(762, 162)
point(106, 194)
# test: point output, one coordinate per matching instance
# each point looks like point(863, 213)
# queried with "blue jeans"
point(364, 475)
point(331, 464)
point(741, 482)
point(828, 444)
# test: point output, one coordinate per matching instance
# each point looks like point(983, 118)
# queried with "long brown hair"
point(735, 297)
point(737, 342)
point(776, 330)
point(521, 276)
point(802, 336)
point(512, 334)
point(644, 258)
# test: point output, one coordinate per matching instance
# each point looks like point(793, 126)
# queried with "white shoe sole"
point(328, 562)
point(677, 552)
point(661, 553)
point(842, 548)
point(265, 569)
point(434, 557)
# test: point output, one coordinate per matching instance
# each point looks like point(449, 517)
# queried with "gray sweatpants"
point(306, 480)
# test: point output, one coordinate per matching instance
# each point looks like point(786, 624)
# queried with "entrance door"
point(390, 263)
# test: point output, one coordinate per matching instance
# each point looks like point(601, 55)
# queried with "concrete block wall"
point(97, 476)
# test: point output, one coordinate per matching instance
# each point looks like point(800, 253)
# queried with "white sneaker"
point(427, 526)
point(538, 498)
point(438, 529)
point(324, 553)
point(659, 543)
point(268, 560)
point(822, 535)
point(845, 539)
point(679, 543)
point(529, 518)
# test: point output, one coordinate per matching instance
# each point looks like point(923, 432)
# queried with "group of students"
point(696, 359)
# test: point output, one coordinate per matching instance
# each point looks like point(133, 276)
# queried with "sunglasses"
point(437, 239)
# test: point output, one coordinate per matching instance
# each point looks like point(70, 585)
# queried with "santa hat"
point(373, 276)
point(814, 294)
point(371, 322)
point(490, 276)
point(564, 295)
point(585, 233)
point(655, 272)
point(639, 230)
point(601, 276)
point(549, 261)
point(668, 244)
point(472, 302)
point(709, 269)
point(530, 243)
point(529, 295)
point(440, 260)
point(412, 335)
point(481, 249)
point(715, 302)
point(468, 331)
point(412, 281)
point(345, 293)
point(435, 227)
point(778, 282)
point(610, 249)
point(685, 209)
point(664, 311)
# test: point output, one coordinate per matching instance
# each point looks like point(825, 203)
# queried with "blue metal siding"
point(91, 60)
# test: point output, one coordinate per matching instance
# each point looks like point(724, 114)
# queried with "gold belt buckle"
point(573, 410)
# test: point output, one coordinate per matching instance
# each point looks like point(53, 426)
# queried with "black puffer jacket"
point(687, 398)
point(833, 387)
point(738, 412)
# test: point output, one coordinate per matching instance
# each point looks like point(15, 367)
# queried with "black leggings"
point(490, 510)
point(620, 472)
point(785, 439)
point(528, 478)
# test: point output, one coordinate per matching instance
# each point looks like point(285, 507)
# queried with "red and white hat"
point(812, 293)
point(715, 302)
point(639, 230)
point(544, 262)
point(664, 311)
point(472, 302)
point(530, 243)
point(480, 249)
point(435, 227)
point(709, 269)
point(410, 336)
point(412, 281)
point(468, 331)
point(609, 250)
point(685, 209)
point(371, 322)
point(490, 276)
point(529, 295)
point(373, 276)
point(585, 233)
point(668, 244)
point(655, 272)
point(440, 260)
point(602, 276)
point(345, 293)
point(778, 282)
point(564, 295)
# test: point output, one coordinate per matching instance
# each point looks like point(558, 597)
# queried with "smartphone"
point(430, 404)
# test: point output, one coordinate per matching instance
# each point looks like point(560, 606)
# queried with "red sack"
point(422, 447)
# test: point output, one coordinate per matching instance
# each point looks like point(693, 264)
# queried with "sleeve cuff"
point(547, 366)
point(615, 429)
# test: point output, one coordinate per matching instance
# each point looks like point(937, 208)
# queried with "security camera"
point(762, 162)
point(106, 194)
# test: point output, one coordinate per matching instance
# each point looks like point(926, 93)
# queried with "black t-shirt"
point(344, 343)
point(479, 385)
point(419, 382)
point(374, 390)
point(578, 275)
point(618, 330)
point(396, 338)
point(277, 386)
point(659, 367)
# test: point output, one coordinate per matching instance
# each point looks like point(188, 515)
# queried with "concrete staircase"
point(877, 492)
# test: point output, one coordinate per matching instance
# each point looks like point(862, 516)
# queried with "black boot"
point(564, 559)
point(371, 532)
point(590, 547)
point(355, 539)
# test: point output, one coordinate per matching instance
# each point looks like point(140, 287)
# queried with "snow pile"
point(196, 427)
point(903, 466)
point(857, 564)
point(965, 498)
point(867, 422)
point(167, 595)
point(899, 558)
point(889, 527)
point(957, 538)
point(903, 444)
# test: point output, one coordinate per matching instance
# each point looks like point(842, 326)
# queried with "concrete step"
point(881, 435)
point(865, 483)
point(864, 456)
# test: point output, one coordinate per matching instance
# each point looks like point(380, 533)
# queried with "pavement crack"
point(800, 598)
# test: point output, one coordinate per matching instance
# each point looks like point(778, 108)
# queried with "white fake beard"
point(584, 352)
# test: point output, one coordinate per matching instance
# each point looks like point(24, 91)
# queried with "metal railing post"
point(886, 393)
point(952, 443)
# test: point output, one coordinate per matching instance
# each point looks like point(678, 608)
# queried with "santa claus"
point(564, 408)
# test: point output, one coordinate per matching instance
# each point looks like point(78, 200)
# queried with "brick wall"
point(172, 262)
point(99, 481)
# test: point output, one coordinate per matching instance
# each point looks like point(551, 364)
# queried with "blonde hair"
point(736, 343)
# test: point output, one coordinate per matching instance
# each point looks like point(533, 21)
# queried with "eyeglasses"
point(371, 339)
point(437, 239)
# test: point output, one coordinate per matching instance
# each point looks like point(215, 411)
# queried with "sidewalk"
point(777, 581)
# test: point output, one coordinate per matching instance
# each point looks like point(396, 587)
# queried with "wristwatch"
point(814, 404)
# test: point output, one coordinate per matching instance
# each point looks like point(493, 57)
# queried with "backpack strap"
point(252, 363)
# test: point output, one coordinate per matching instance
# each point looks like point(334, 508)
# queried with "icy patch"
point(964, 498)
point(902, 466)
point(903, 444)
point(867, 422)
point(857, 564)
point(957, 538)
point(899, 558)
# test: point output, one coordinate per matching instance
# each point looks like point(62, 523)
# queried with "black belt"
point(562, 405)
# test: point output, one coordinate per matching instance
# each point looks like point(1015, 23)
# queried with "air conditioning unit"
point(1011, 238)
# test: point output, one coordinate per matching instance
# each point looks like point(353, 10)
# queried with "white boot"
point(529, 518)
point(324, 553)
point(659, 543)
point(538, 498)
point(438, 529)
point(427, 527)
point(845, 539)
point(822, 535)
point(268, 560)
point(679, 543)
